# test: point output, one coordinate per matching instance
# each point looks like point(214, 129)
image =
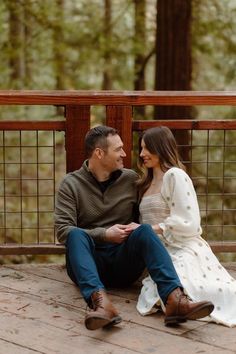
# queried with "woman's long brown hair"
point(161, 142)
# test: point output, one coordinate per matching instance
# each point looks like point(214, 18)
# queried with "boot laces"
point(182, 298)
point(97, 300)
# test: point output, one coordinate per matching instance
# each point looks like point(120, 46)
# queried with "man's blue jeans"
point(93, 267)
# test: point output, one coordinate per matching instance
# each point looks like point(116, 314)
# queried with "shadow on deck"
point(41, 311)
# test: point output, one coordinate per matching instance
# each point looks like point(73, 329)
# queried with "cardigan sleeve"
point(180, 196)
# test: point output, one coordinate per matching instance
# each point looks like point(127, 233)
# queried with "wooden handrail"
point(134, 98)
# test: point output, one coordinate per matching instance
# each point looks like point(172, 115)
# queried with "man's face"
point(113, 157)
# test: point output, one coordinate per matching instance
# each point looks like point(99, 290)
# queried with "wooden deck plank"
point(68, 295)
point(131, 336)
point(7, 348)
point(21, 302)
point(58, 272)
point(48, 340)
point(50, 271)
point(220, 335)
point(39, 286)
point(32, 307)
point(127, 338)
point(42, 296)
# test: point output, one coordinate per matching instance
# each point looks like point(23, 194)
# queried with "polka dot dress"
point(176, 210)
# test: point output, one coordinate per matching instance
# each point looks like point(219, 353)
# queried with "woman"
point(169, 204)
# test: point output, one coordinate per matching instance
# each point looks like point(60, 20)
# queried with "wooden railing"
point(119, 114)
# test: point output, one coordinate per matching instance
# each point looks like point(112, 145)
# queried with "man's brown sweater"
point(81, 203)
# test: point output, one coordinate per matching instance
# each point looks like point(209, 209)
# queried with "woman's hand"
point(132, 226)
point(157, 229)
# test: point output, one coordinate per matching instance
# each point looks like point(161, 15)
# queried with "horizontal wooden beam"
point(141, 125)
point(74, 97)
point(28, 249)
point(33, 125)
point(218, 246)
point(138, 125)
point(23, 249)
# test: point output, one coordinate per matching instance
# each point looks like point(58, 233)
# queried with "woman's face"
point(149, 160)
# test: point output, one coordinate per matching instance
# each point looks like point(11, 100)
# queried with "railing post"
point(77, 125)
point(120, 118)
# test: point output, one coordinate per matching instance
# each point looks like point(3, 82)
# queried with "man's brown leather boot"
point(180, 309)
point(103, 312)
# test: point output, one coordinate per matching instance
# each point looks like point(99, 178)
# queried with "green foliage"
point(72, 32)
point(214, 44)
point(213, 52)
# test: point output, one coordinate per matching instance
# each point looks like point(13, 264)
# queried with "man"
point(95, 212)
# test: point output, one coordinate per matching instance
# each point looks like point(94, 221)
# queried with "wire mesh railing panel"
point(33, 162)
point(212, 166)
point(31, 165)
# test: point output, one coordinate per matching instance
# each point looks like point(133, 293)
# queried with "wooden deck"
point(41, 311)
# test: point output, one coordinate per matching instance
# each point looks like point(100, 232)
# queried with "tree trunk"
point(28, 25)
point(107, 77)
point(139, 59)
point(59, 48)
point(140, 41)
point(16, 41)
point(173, 59)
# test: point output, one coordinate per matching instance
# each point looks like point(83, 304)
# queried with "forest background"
point(117, 45)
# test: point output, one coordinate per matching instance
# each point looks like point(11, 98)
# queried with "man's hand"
point(118, 233)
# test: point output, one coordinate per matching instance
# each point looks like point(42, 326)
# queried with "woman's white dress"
point(176, 210)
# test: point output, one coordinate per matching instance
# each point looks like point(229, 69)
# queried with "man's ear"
point(99, 153)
